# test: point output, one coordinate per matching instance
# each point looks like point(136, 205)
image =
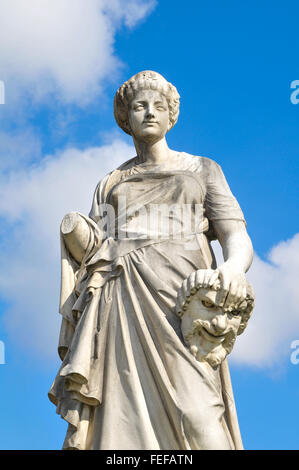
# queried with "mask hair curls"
point(146, 80)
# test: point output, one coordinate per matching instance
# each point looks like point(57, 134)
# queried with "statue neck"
point(154, 153)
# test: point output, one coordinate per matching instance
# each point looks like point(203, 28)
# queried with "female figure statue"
point(127, 378)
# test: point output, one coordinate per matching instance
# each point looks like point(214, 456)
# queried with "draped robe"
point(127, 379)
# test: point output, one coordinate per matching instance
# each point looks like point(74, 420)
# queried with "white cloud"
point(274, 324)
point(63, 47)
point(32, 204)
point(130, 12)
point(18, 149)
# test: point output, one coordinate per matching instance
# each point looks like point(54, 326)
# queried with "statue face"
point(148, 116)
point(209, 332)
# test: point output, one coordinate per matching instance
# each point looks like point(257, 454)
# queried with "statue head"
point(146, 105)
point(209, 330)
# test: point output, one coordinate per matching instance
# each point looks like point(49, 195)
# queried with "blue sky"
point(233, 66)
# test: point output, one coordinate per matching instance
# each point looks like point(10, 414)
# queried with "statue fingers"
point(213, 278)
point(224, 287)
point(231, 298)
point(208, 274)
point(240, 295)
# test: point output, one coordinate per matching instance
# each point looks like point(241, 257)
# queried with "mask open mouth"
point(211, 337)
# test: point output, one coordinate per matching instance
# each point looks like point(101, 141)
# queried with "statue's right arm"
point(77, 231)
point(76, 234)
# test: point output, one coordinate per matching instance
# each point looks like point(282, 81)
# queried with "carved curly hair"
point(147, 80)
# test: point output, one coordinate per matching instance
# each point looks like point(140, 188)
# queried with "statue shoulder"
point(126, 165)
point(204, 165)
point(104, 184)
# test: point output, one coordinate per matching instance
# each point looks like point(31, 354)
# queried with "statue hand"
point(230, 281)
point(232, 286)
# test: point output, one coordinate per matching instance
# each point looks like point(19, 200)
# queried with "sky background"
point(61, 62)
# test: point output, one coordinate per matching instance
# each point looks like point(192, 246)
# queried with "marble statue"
point(148, 318)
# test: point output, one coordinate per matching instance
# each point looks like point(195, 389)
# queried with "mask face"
point(209, 332)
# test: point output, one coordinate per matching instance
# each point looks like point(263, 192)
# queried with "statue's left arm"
point(237, 253)
point(229, 228)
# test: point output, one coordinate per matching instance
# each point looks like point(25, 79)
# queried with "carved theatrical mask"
point(208, 330)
